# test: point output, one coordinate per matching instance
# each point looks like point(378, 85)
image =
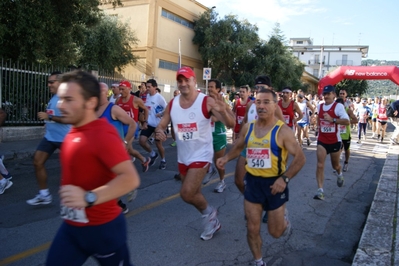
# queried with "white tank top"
point(304, 109)
point(252, 114)
point(193, 131)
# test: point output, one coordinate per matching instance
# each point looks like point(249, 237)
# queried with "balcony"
point(314, 63)
point(344, 62)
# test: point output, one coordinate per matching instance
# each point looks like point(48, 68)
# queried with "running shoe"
point(220, 187)
point(5, 185)
point(177, 177)
point(209, 176)
point(359, 141)
point(131, 195)
point(7, 176)
point(262, 263)
point(146, 164)
point(289, 227)
point(151, 140)
point(345, 168)
point(153, 159)
point(340, 180)
point(123, 206)
point(39, 199)
point(382, 140)
point(162, 165)
point(211, 225)
point(173, 144)
point(319, 195)
point(308, 141)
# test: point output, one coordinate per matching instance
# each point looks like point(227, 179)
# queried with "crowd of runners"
point(268, 125)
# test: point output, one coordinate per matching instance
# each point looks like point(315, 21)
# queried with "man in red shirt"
point(289, 108)
point(331, 114)
point(131, 105)
point(239, 109)
point(96, 171)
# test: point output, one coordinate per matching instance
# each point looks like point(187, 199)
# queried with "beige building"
point(160, 25)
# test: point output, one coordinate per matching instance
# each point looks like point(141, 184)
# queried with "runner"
point(289, 108)
point(191, 113)
point(303, 124)
point(331, 114)
point(382, 119)
point(155, 103)
point(131, 104)
point(268, 142)
point(56, 129)
point(239, 108)
point(92, 178)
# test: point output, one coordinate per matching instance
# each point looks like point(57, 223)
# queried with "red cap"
point(186, 72)
point(125, 83)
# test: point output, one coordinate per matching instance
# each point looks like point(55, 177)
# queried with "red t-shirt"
point(129, 107)
point(88, 154)
point(288, 112)
point(240, 113)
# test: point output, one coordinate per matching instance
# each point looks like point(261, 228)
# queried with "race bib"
point(382, 116)
point(74, 214)
point(50, 112)
point(240, 119)
point(187, 131)
point(287, 119)
point(213, 126)
point(327, 127)
point(342, 129)
point(258, 158)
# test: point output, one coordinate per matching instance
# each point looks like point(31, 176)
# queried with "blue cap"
point(328, 89)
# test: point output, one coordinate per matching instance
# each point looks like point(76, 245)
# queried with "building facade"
point(164, 29)
point(321, 59)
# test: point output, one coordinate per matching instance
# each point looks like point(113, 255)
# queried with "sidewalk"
point(378, 244)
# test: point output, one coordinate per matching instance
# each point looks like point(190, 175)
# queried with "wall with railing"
point(24, 91)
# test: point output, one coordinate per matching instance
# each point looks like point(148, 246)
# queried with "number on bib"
point(258, 158)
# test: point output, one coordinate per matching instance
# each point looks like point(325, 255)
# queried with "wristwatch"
point(90, 198)
point(334, 120)
point(285, 178)
point(50, 117)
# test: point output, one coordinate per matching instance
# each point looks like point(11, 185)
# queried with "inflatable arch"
point(359, 72)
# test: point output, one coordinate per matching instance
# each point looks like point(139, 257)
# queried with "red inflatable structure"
point(359, 72)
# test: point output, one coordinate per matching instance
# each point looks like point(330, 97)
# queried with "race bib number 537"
point(187, 131)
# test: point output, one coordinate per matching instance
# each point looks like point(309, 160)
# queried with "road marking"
point(30, 252)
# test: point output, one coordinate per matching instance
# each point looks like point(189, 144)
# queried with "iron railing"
point(24, 91)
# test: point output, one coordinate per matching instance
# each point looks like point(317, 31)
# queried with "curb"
point(377, 243)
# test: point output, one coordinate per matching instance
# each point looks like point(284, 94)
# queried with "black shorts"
point(330, 148)
point(383, 122)
point(48, 146)
point(148, 132)
point(257, 190)
point(346, 144)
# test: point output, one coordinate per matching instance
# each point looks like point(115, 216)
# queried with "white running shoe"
point(39, 199)
point(132, 195)
point(5, 185)
point(220, 187)
point(211, 224)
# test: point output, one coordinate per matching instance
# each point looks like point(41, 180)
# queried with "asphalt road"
point(163, 230)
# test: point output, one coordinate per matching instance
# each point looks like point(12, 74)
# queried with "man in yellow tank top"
point(268, 141)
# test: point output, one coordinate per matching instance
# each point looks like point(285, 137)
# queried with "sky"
point(329, 22)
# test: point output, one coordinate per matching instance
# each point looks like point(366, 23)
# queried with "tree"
point(236, 54)
point(48, 31)
point(108, 45)
point(225, 45)
point(353, 87)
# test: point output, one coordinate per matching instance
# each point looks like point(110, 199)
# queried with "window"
point(177, 19)
point(168, 65)
point(315, 72)
point(299, 42)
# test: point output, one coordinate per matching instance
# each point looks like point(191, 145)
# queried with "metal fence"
point(24, 91)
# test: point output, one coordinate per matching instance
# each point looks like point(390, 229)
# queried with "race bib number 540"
point(258, 158)
point(74, 214)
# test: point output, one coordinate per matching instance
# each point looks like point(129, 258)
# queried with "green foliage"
point(108, 45)
point(353, 87)
point(236, 54)
point(381, 87)
point(49, 31)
